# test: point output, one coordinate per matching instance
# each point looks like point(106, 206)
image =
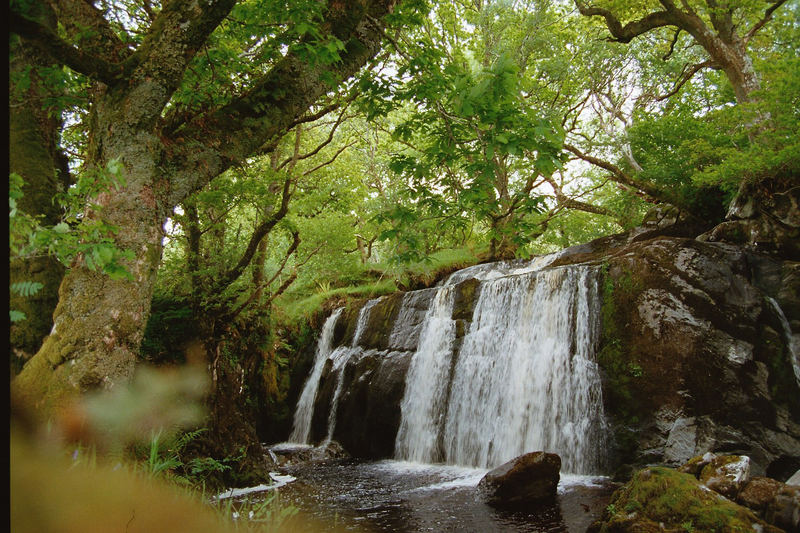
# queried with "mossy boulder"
point(662, 499)
point(759, 493)
point(726, 474)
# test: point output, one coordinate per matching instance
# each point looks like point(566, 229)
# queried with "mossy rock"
point(465, 298)
point(726, 474)
point(663, 499)
point(696, 464)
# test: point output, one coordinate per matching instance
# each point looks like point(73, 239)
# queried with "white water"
point(301, 430)
point(524, 380)
point(428, 374)
point(792, 339)
point(340, 357)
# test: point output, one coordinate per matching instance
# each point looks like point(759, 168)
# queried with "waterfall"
point(792, 339)
point(301, 430)
point(340, 357)
point(524, 378)
point(424, 401)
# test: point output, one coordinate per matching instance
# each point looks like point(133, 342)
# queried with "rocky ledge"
point(708, 493)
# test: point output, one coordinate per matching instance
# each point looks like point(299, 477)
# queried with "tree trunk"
point(502, 246)
point(736, 64)
point(99, 322)
point(34, 155)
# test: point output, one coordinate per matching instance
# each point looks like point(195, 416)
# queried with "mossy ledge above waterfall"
point(695, 351)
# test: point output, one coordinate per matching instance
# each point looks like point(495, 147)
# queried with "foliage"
point(26, 289)
point(82, 233)
point(170, 327)
point(471, 148)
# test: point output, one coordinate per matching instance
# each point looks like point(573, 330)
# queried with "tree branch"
point(688, 75)
point(257, 292)
point(78, 15)
point(625, 34)
point(213, 142)
point(766, 18)
point(329, 161)
point(63, 52)
point(672, 44)
point(571, 203)
point(175, 36)
point(324, 143)
point(260, 232)
point(620, 176)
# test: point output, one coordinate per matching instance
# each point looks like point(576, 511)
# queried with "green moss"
point(620, 365)
point(663, 497)
point(465, 299)
point(718, 462)
point(42, 386)
point(293, 312)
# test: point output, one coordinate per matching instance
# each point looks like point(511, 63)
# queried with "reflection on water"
point(409, 497)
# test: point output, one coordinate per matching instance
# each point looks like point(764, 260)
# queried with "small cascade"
point(301, 430)
point(425, 397)
point(523, 379)
point(520, 376)
point(792, 339)
point(340, 357)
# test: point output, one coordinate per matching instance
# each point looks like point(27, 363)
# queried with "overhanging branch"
point(63, 52)
point(687, 75)
point(626, 33)
point(766, 18)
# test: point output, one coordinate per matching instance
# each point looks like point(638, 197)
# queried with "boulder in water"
point(530, 478)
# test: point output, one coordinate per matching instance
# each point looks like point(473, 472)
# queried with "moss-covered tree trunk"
point(99, 322)
point(34, 155)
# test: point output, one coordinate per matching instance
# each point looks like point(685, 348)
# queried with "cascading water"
point(792, 339)
point(424, 401)
point(520, 377)
point(301, 431)
point(340, 357)
point(524, 377)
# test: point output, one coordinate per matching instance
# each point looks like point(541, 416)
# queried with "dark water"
point(408, 497)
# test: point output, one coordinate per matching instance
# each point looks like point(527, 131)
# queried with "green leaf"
point(26, 288)
point(16, 316)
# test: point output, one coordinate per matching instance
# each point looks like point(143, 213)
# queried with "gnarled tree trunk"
point(99, 322)
point(33, 153)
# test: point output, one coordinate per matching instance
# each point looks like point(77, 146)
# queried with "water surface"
point(413, 497)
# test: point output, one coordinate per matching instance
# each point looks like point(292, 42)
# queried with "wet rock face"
point(694, 352)
point(529, 479)
point(765, 217)
point(700, 357)
point(369, 410)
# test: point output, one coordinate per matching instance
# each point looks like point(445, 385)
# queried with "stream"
point(397, 496)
